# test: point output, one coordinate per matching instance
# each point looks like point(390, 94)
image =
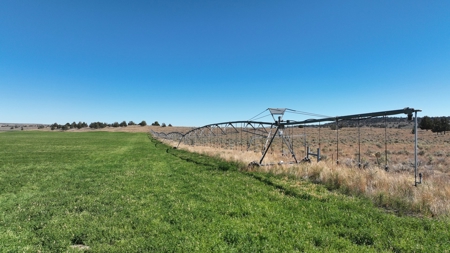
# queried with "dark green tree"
point(54, 126)
point(426, 123)
point(445, 126)
point(143, 123)
point(156, 123)
point(440, 125)
point(123, 124)
point(436, 127)
point(97, 125)
point(332, 126)
point(66, 127)
point(131, 123)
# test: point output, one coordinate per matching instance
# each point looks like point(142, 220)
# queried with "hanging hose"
point(337, 141)
point(359, 145)
point(319, 135)
point(386, 168)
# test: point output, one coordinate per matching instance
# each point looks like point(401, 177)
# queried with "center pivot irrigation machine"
point(287, 136)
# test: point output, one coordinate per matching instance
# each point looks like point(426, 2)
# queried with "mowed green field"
point(125, 192)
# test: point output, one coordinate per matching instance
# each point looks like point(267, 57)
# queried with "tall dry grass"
point(393, 191)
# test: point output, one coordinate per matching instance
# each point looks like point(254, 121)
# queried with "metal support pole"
point(290, 147)
point(278, 123)
point(316, 154)
point(319, 134)
point(415, 151)
point(386, 168)
point(337, 141)
point(268, 146)
point(359, 146)
point(304, 139)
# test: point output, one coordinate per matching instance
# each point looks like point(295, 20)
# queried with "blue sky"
point(191, 63)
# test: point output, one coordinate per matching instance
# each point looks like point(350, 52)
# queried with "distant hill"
point(20, 126)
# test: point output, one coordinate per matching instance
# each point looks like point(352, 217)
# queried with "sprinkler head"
point(410, 116)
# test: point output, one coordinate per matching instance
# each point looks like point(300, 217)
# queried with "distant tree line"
point(68, 126)
point(94, 125)
point(156, 123)
point(436, 124)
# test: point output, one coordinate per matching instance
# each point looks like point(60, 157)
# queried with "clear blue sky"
point(190, 63)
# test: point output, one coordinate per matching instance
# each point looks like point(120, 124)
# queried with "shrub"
point(97, 125)
point(438, 153)
point(143, 123)
point(80, 125)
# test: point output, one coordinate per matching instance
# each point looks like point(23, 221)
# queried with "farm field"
point(127, 192)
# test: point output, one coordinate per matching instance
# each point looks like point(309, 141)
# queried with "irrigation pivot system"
point(287, 138)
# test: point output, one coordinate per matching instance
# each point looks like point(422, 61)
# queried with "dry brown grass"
point(393, 190)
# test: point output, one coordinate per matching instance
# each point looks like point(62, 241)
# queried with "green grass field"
point(125, 192)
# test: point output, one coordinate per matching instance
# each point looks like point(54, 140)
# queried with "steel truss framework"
point(264, 137)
